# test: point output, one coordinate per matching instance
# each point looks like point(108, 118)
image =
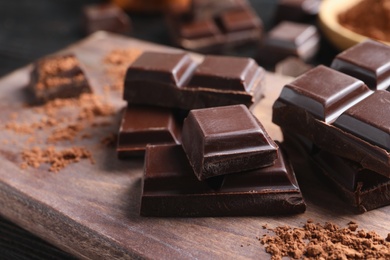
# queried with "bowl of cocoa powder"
point(348, 22)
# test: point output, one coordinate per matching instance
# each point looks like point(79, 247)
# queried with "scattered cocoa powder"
point(67, 133)
point(117, 62)
point(370, 18)
point(57, 159)
point(329, 241)
point(110, 140)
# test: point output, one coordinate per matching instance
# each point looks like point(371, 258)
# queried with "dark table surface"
point(32, 29)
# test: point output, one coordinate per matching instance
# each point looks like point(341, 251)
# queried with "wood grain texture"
point(92, 211)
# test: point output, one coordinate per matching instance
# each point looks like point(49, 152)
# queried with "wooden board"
point(92, 210)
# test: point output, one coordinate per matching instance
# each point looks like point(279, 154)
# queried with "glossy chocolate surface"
point(106, 17)
point(175, 80)
point(214, 26)
point(324, 92)
point(289, 39)
point(357, 127)
point(170, 189)
point(225, 140)
point(368, 61)
point(143, 125)
point(58, 77)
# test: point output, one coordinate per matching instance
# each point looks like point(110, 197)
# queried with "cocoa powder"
point(370, 18)
point(328, 241)
point(117, 62)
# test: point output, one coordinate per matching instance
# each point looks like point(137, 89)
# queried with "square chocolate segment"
point(173, 69)
point(369, 119)
point(225, 140)
point(226, 73)
point(142, 125)
point(215, 26)
point(289, 39)
point(58, 77)
point(165, 79)
point(368, 61)
point(106, 17)
point(324, 92)
point(170, 189)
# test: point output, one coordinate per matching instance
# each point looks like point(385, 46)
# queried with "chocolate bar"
point(339, 114)
point(289, 39)
point(297, 10)
point(175, 80)
point(368, 61)
point(58, 77)
point(361, 188)
point(170, 189)
point(224, 140)
point(143, 125)
point(214, 26)
point(106, 17)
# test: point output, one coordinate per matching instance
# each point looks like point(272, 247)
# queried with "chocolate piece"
point(339, 114)
point(368, 61)
point(297, 10)
point(225, 140)
point(289, 39)
point(359, 187)
point(174, 80)
point(170, 189)
point(58, 77)
point(216, 26)
point(142, 125)
point(106, 17)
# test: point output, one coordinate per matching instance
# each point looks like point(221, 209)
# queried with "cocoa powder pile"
point(62, 122)
point(329, 241)
point(370, 18)
point(117, 62)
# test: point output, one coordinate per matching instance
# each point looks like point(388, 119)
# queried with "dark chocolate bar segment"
point(225, 140)
point(368, 119)
point(215, 26)
point(142, 125)
point(289, 39)
point(228, 73)
point(361, 133)
point(368, 61)
point(170, 189)
point(58, 77)
point(297, 10)
point(106, 17)
point(167, 79)
point(323, 92)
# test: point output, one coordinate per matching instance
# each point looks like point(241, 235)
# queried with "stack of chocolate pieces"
point(341, 115)
point(215, 26)
point(219, 160)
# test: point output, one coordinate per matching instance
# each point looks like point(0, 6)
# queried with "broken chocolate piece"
point(58, 77)
point(170, 189)
point(225, 140)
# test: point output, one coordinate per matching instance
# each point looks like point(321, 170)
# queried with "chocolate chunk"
point(175, 80)
point(225, 140)
point(339, 114)
point(170, 189)
point(106, 17)
point(58, 77)
point(368, 61)
point(361, 188)
point(297, 10)
point(289, 39)
point(214, 26)
point(142, 125)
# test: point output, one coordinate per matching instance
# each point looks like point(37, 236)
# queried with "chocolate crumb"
point(329, 241)
point(110, 140)
point(388, 237)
